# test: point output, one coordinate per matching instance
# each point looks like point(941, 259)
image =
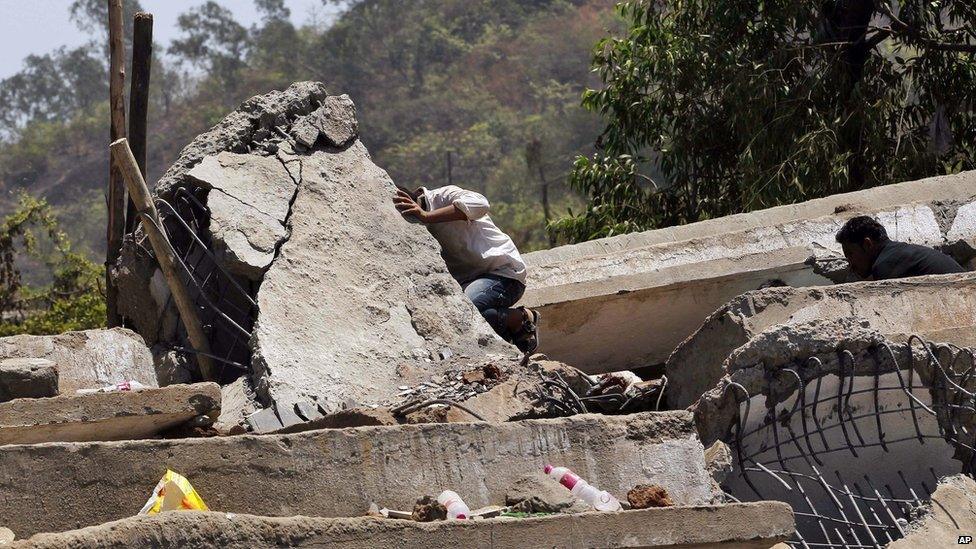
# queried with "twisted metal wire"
point(854, 512)
point(227, 308)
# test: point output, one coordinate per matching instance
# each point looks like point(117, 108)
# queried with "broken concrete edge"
point(234, 133)
point(944, 193)
point(339, 472)
point(803, 352)
point(118, 415)
point(941, 308)
point(950, 516)
point(744, 525)
point(684, 277)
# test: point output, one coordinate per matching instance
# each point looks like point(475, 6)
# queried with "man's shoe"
point(527, 339)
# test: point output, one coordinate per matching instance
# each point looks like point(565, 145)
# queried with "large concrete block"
point(637, 296)
point(739, 526)
point(334, 473)
point(122, 415)
point(88, 359)
point(940, 308)
point(356, 293)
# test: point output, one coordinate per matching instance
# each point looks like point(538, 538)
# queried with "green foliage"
point(66, 296)
point(715, 107)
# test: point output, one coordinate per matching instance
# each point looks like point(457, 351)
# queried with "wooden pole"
point(165, 255)
point(116, 188)
point(139, 100)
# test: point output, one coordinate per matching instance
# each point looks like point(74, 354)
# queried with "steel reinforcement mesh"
point(857, 451)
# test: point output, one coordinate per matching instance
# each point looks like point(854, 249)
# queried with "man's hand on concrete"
point(408, 207)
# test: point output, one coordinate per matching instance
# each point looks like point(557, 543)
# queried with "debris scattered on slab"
point(427, 509)
point(645, 496)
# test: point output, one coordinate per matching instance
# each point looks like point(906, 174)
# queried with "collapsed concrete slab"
point(743, 526)
point(89, 359)
point(941, 308)
point(119, 415)
point(639, 295)
point(334, 473)
point(315, 284)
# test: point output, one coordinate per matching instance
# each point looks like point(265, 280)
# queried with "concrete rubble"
point(742, 526)
point(336, 473)
point(355, 376)
point(88, 359)
point(27, 378)
point(950, 516)
point(350, 300)
point(940, 308)
point(641, 294)
point(117, 415)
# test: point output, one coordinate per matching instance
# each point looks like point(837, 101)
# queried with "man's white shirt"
point(476, 246)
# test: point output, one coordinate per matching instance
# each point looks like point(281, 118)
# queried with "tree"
point(212, 40)
point(64, 294)
point(714, 107)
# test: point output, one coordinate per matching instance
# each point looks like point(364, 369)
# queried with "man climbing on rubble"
point(482, 258)
point(873, 256)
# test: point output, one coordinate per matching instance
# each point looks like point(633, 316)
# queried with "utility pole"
point(139, 100)
point(116, 186)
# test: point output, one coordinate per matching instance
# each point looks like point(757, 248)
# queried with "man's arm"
point(408, 207)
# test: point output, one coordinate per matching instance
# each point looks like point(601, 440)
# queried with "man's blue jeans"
point(494, 295)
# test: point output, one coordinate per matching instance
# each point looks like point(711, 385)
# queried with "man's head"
point(862, 239)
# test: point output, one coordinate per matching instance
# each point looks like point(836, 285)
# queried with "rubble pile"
point(356, 380)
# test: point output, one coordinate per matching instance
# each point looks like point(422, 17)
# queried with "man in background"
point(873, 256)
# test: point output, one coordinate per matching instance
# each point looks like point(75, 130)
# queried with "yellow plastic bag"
point(173, 493)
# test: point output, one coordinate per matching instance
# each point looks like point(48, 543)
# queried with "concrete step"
point(742, 526)
point(124, 415)
point(339, 472)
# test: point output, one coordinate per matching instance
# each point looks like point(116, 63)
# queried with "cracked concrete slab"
point(249, 200)
point(739, 526)
point(349, 299)
point(338, 472)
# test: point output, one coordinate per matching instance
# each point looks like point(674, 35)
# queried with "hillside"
point(480, 87)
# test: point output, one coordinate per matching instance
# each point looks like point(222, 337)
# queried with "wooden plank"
point(165, 255)
point(116, 188)
point(139, 100)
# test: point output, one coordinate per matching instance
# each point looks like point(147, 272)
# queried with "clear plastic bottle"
point(599, 499)
point(456, 508)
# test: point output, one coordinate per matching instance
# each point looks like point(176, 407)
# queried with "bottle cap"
point(547, 468)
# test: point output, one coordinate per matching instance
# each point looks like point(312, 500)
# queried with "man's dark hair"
point(858, 228)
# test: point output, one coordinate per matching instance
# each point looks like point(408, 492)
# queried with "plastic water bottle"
point(456, 508)
point(599, 499)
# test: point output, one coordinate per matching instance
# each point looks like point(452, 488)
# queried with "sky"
point(39, 26)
